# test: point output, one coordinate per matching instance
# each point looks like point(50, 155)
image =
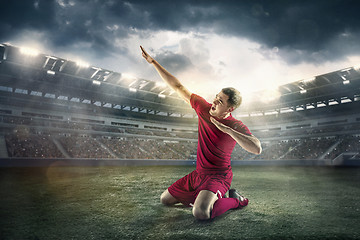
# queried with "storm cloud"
point(248, 44)
point(302, 30)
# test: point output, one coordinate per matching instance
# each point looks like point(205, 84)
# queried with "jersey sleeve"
point(241, 128)
point(198, 103)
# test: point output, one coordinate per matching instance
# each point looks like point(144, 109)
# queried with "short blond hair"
point(234, 95)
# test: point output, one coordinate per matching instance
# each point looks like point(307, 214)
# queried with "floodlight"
point(345, 100)
point(302, 91)
point(346, 82)
point(29, 51)
point(310, 106)
point(95, 82)
point(161, 96)
point(50, 72)
point(132, 89)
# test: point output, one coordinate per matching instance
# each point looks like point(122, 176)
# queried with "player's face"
point(220, 107)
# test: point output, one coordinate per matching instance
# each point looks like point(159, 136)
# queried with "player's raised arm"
point(172, 81)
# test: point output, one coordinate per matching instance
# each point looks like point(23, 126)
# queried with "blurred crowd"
point(84, 146)
point(36, 138)
point(46, 145)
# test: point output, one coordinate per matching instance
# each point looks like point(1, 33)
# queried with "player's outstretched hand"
point(147, 57)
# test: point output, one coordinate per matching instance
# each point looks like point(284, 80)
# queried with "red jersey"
point(214, 146)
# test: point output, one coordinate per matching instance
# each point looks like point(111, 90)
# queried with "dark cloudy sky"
point(206, 44)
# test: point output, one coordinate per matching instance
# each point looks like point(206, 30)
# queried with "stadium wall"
point(31, 162)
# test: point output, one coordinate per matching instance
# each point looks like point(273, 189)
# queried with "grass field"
point(123, 203)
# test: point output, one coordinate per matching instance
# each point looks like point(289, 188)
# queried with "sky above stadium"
point(251, 45)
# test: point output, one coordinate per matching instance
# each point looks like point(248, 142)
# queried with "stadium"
point(67, 110)
point(80, 147)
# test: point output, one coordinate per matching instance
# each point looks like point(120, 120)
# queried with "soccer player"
point(219, 131)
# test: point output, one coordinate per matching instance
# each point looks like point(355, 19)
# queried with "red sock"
point(224, 204)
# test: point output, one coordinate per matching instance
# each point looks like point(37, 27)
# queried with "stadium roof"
point(26, 71)
point(338, 87)
point(34, 75)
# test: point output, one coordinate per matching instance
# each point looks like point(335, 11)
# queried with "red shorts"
point(186, 189)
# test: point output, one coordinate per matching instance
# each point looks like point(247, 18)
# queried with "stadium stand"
point(53, 108)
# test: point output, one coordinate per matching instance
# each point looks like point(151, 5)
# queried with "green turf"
point(123, 203)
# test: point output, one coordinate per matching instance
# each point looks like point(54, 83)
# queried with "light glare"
point(82, 64)
point(309, 80)
point(160, 84)
point(270, 95)
point(127, 76)
point(29, 51)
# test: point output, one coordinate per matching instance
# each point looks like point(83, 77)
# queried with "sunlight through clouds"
point(250, 46)
point(221, 61)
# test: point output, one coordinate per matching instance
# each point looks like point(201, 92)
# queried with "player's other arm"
point(172, 81)
point(249, 143)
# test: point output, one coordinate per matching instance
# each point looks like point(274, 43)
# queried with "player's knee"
point(166, 198)
point(201, 213)
point(163, 199)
